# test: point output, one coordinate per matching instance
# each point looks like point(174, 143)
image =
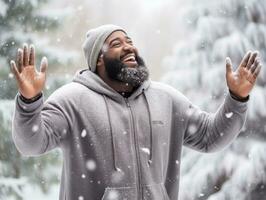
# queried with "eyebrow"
point(117, 38)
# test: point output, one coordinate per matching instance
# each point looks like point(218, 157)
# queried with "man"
point(120, 133)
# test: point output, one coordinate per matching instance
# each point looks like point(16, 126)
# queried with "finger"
point(15, 70)
point(257, 71)
point(20, 59)
point(44, 65)
point(25, 55)
point(253, 68)
point(229, 68)
point(32, 55)
point(255, 65)
point(252, 59)
point(245, 59)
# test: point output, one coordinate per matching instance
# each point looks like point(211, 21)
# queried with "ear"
point(99, 64)
point(100, 60)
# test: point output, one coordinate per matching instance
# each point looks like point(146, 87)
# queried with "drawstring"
point(150, 123)
point(111, 130)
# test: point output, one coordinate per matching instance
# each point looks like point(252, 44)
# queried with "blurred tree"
point(20, 22)
point(213, 31)
point(13, 167)
point(24, 22)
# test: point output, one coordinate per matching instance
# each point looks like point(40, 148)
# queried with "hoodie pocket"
point(120, 193)
point(156, 191)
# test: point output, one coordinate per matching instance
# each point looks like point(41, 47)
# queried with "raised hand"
point(241, 81)
point(30, 81)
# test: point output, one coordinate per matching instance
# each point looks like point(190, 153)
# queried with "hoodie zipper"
point(139, 193)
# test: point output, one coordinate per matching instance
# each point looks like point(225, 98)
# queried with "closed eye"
point(130, 42)
point(116, 44)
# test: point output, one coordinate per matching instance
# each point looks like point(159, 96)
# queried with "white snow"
point(91, 165)
point(35, 128)
point(192, 129)
point(80, 198)
point(229, 114)
point(145, 150)
point(112, 195)
point(83, 133)
point(11, 75)
point(124, 132)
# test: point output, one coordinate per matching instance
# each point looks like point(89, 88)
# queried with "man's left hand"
point(241, 81)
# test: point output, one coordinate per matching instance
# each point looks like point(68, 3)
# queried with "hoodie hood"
point(95, 83)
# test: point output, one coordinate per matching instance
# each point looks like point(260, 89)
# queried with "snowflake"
point(229, 114)
point(91, 165)
point(80, 198)
point(35, 128)
point(113, 195)
point(192, 129)
point(83, 133)
point(146, 150)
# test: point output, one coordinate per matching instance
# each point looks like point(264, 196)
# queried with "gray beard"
point(119, 71)
point(133, 76)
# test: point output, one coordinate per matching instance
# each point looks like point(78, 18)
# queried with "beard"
point(120, 72)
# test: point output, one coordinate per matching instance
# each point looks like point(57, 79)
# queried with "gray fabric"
point(95, 126)
point(95, 39)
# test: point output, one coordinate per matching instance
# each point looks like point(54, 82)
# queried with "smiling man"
point(121, 134)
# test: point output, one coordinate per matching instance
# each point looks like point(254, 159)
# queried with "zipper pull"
point(126, 100)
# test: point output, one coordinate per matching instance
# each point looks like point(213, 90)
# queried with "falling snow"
point(35, 128)
point(246, 158)
point(91, 165)
point(192, 129)
point(146, 150)
point(124, 132)
point(80, 198)
point(112, 195)
point(229, 114)
point(83, 133)
point(10, 75)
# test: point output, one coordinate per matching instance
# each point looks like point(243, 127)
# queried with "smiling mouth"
point(130, 59)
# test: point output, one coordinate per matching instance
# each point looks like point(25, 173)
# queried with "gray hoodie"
point(120, 148)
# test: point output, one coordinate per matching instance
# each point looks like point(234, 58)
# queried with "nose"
point(128, 47)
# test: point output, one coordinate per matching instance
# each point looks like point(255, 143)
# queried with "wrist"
point(238, 98)
point(30, 100)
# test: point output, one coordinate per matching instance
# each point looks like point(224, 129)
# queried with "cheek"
point(136, 51)
point(114, 54)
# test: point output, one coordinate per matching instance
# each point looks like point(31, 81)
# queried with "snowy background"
point(184, 43)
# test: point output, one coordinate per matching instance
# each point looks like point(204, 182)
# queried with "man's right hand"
point(30, 81)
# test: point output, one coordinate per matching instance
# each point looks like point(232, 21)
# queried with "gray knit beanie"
point(95, 39)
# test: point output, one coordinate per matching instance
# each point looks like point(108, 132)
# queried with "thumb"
point(229, 67)
point(44, 65)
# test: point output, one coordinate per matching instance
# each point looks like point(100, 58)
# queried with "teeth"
point(130, 58)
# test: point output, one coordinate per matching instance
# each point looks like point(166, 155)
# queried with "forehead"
point(116, 35)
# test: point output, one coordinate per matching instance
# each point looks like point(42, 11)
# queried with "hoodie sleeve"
point(210, 132)
point(38, 127)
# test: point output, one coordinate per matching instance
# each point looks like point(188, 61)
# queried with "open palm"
point(30, 81)
point(241, 81)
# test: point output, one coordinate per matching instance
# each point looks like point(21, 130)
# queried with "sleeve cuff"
point(28, 107)
point(238, 98)
point(31, 100)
